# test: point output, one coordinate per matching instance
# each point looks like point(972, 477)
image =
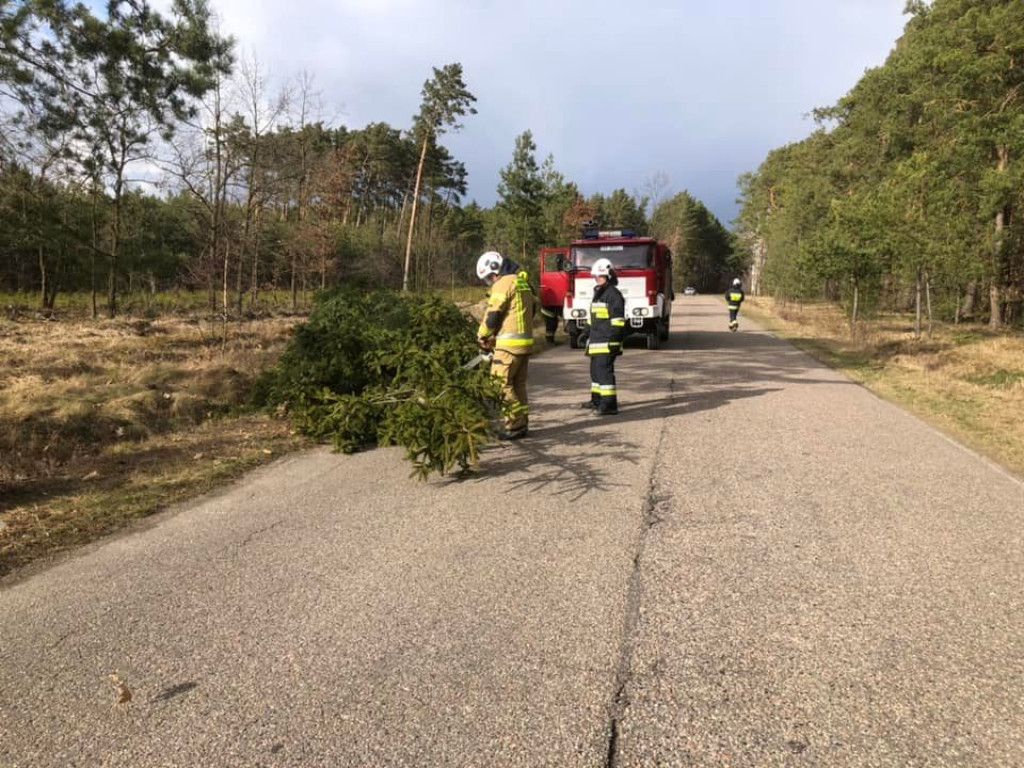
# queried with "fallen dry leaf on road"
point(92, 475)
point(124, 694)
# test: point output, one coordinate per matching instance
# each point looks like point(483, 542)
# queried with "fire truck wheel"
point(574, 341)
point(663, 331)
point(652, 341)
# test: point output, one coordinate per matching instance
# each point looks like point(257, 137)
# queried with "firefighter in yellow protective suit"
point(507, 329)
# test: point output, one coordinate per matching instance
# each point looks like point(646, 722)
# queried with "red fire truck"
point(643, 266)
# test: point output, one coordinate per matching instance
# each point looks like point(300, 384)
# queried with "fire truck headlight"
point(579, 313)
point(641, 312)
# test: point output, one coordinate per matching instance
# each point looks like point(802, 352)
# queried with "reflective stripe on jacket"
point(509, 314)
point(734, 296)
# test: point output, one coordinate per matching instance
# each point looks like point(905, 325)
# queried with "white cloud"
point(616, 91)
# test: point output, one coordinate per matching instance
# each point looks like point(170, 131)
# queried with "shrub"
point(386, 369)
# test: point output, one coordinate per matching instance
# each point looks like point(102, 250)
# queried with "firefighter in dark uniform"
point(734, 297)
point(607, 330)
point(550, 322)
point(507, 329)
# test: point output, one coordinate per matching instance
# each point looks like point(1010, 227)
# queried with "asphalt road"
point(757, 563)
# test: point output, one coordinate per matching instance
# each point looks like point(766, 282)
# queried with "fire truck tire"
point(663, 330)
point(652, 341)
point(574, 341)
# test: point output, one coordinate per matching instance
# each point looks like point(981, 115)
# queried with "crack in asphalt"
point(253, 534)
point(624, 670)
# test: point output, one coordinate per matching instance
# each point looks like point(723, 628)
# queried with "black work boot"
point(513, 434)
point(590, 405)
point(609, 406)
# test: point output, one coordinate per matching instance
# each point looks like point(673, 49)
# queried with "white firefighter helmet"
point(737, 283)
point(488, 264)
point(602, 268)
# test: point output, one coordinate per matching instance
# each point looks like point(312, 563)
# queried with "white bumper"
point(634, 291)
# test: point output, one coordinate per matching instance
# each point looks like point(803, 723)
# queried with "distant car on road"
point(690, 291)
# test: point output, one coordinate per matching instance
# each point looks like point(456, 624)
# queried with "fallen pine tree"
point(386, 368)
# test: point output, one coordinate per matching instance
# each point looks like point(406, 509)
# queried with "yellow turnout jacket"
point(509, 315)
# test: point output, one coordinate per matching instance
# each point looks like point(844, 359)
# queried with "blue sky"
point(616, 91)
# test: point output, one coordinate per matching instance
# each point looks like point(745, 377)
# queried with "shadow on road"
point(570, 452)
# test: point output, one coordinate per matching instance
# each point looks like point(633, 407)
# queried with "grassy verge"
point(123, 483)
point(103, 422)
point(963, 379)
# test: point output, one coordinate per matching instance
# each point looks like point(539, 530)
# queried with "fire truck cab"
point(644, 270)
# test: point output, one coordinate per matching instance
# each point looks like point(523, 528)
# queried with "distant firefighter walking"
point(734, 298)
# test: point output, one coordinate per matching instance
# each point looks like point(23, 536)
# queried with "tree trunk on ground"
point(412, 215)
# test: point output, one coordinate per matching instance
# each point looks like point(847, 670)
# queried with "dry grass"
point(963, 379)
point(142, 304)
point(101, 422)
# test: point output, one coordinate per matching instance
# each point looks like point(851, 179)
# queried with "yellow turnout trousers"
point(511, 371)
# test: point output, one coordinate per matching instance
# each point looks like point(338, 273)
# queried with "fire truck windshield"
point(621, 256)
